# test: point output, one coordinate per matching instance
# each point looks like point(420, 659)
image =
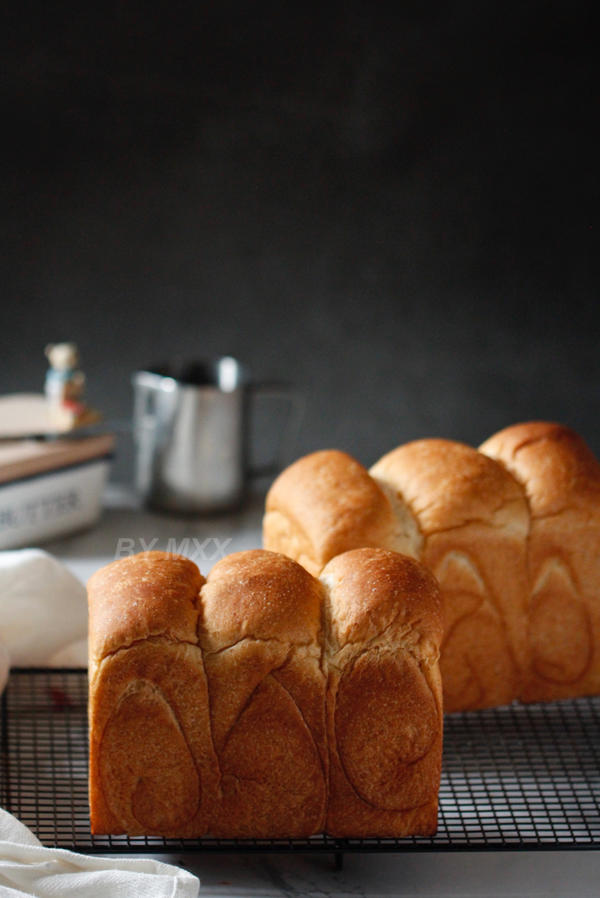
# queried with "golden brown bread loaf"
point(512, 534)
point(562, 480)
point(210, 709)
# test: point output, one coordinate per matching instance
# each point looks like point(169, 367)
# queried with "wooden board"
point(24, 458)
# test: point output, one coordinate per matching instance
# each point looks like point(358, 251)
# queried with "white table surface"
point(498, 874)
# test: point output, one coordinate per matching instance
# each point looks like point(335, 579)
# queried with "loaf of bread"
point(512, 532)
point(561, 477)
point(262, 702)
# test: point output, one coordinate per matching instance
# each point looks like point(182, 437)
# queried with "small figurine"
point(64, 388)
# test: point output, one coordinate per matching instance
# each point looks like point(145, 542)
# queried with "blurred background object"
point(64, 387)
point(394, 210)
point(52, 470)
point(51, 487)
point(191, 427)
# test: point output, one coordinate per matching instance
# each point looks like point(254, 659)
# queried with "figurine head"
point(62, 356)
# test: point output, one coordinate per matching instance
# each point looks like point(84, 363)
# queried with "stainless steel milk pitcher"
point(191, 434)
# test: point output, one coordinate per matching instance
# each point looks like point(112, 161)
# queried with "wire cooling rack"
point(524, 776)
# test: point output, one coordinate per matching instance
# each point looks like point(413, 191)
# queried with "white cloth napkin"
point(43, 607)
point(29, 869)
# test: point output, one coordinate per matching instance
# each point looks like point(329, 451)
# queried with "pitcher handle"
point(289, 433)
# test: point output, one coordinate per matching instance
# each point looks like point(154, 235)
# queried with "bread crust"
point(153, 768)
point(561, 477)
point(325, 504)
point(261, 638)
point(144, 595)
point(152, 765)
point(448, 484)
point(512, 532)
point(223, 718)
point(474, 518)
point(384, 701)
point(554, 464)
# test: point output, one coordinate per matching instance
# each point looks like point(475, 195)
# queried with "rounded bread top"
point(556, 467)
point(144, 595)
point(332, 499)
point(260, 595)
point(448, 484)
point(376, 593)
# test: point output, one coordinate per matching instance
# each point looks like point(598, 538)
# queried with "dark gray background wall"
point(395, 210)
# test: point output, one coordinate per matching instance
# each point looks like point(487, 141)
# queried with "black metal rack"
point(519, 777)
